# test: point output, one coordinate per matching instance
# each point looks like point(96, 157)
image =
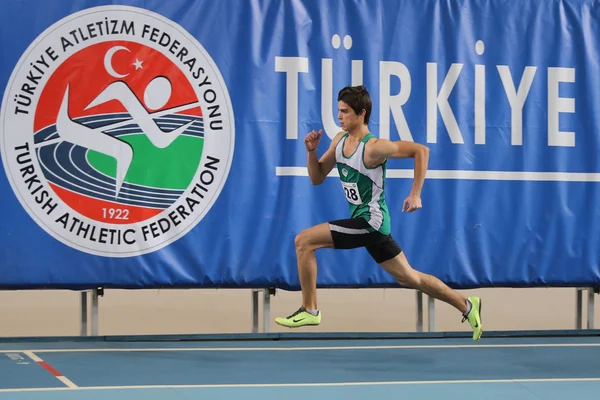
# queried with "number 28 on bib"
point(352, 193)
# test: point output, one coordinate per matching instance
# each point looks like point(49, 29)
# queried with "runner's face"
point(348, 118)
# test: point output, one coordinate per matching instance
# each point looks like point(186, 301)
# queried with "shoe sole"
point(297, 326)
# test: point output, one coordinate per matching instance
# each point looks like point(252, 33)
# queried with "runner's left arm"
point(382, 149)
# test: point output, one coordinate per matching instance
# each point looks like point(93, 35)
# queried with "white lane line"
point(293, 385)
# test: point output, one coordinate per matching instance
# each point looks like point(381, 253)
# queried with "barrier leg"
point(590, 308)
point(430, 314)
point(95, 312)
point(419, 311)
point(84, 314)
point(578, 308)
point(255, 311)
point(266, 310)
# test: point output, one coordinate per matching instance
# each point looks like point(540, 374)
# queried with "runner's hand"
point(311, 141)
point(411, 203)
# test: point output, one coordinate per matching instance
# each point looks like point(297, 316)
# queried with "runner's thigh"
point(352, 233)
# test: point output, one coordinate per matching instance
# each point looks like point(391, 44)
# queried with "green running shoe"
point(474, 317)
point(299, 318)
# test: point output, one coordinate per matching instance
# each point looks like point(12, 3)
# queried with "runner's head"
point(354, 104)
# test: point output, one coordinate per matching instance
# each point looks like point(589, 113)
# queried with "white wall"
point(50, 313)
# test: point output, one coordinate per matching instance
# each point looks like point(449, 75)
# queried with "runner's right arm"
point(318, 169)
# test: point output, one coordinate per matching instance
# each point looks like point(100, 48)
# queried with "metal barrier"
point(264, 308)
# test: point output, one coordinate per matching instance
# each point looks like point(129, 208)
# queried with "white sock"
point(313, 312)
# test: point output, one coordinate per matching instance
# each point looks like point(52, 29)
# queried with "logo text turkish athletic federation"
point(117, 131)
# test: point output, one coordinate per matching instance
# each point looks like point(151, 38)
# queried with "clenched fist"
point(311, 141)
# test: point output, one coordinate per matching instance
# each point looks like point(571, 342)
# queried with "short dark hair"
point(358, 98)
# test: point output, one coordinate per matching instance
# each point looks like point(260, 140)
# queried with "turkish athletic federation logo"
point(117, 131)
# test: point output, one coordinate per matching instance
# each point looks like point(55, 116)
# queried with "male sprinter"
point(361, 161)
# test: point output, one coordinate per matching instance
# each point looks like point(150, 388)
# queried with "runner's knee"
point(401, 270)
point(302, 241)
point(408, 277)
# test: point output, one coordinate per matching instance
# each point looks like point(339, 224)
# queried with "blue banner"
point(160, 144)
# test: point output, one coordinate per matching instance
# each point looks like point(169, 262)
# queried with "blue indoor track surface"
point(296, 367)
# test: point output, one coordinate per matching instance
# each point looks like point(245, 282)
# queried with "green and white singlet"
point(363, 186)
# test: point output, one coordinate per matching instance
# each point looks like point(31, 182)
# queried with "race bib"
point(352, 193)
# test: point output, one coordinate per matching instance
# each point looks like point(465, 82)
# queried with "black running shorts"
point(356, 232)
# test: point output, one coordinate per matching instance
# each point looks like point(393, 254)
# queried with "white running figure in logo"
point(156, 95)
